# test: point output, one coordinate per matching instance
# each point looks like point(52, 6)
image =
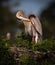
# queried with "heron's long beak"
point(22, 18)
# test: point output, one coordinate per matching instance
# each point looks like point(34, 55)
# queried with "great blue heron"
point(32, 26)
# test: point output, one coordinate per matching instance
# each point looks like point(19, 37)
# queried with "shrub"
point(44, 45)
point(6, 56)
point(22, 40)
point(26, 59)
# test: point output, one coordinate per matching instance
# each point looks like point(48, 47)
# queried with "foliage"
point(6, 56)
point(26, 59)
point(45, 46)
point(21, 40)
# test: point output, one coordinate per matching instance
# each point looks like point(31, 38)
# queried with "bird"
point(32, 26)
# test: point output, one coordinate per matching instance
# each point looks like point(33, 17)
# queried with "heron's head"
point(20, 16)
point(19, 13)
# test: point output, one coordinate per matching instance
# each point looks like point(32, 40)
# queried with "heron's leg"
point(36, 38)
point(33, 39)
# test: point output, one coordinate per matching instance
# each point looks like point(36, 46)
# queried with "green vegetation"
point(7, 57)
point(45, 46)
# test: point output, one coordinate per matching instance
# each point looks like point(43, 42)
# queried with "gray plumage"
point(33, 27)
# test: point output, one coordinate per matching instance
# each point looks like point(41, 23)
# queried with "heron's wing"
point(37, 25)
